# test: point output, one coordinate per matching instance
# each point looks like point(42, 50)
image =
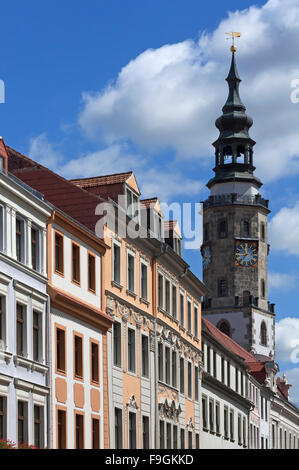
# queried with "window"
point(222, 229)
point(246, 228)
point(79, 427)
point(174, 369)
point(231, 423)
point(61, 429)
point(174, 301)
point(182, 375)
point(225, 422)
point(195, 322)
point(189, 317)
point(132, 205)
point(239, 430)
point(228, 373)
point(211, 415)
point(75, 263)
point(222, 370)
point(117, 344)
point(196, 441)
point(145, 432)
point(160, 362)
point(168, 435)
point(190, 440)
point(160, 290)
point(208, 359)
point(144, 356)
point(182, 438)
point(35, 248)
point(182, 310)
point(263, 288)
point(242, 384)
point(175, 437)
point(215, 363)
point(118, 428)
point(162, 434)
point(222, 288)
point(38, 426)
point(2, 319)
point(36, 333)
point(263, 234)
point(2, 228)
point(59, 257)
point(131, 273)
point(95, 362)
point(22, 422)
point(263, 334)
point(21, 334)
point(20, 240)
point(237, 380)
point(78, 346)
point(244, 433)
point(91, 273)
point(189, 380)
point(95, 433)
point(224, 326)
point(206, 232)
point(132, 431)
point(204, 413)
point(218, 418)
point(167, 296)
point(144, 281)
point(131, 351)
point(116, 264)
point(196, 383)
point(2, 418)
point(167, 365)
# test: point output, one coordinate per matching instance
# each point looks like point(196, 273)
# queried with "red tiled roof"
point(102, 180)
point(74, 201)
point(230, 344)
point(148, 203)
point(169, 224)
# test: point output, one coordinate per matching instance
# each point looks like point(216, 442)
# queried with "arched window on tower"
point(263, 334)
point(263, 288)
point(224, 326)
point(228, 153)
point(246, 228)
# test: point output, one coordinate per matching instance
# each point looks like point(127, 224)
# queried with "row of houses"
point(102, 340)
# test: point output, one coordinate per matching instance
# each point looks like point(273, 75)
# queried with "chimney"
point(283, 386)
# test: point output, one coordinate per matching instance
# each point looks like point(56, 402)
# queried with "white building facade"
point(24, 314)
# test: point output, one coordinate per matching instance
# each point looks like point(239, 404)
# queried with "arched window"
point(224, 326)
point(263, 336)
point(246, 227)
point(263, 288)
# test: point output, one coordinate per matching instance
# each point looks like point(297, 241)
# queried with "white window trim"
point(117, 243)
point(121, 349)
point(144, 263)
point(131, 253)
point(24, 241)
point(132, 410)
point(131, 327)
point(39, 247)
point(143, 377)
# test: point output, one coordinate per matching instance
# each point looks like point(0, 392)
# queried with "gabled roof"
point(102, 180)
point(149, 203)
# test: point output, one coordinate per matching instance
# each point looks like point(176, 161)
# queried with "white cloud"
point(293, 379)
point(170, 97)
point(44, 152)
point(284, 230)
point(287, 340)
point(281, 280)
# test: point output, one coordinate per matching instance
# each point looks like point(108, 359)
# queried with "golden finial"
point(233, 35)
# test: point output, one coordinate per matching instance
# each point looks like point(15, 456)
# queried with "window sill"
point(30, 365)
point(205, 429)
point(95, 384)
point(134, 374)
point(6, 356)
point(131, 293)
point(59, 273)
point(218, 434)
point(212, 431)
point(116, 284)
point(182, 328)
point(189, 334)
point(144, 301)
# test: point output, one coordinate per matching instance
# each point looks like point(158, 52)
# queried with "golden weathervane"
point(232, 35)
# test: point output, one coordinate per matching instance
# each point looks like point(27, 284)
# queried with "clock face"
point(246, 254)
point(206, 257)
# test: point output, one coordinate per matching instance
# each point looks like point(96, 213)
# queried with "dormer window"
point(177, 246)
point(132, 205)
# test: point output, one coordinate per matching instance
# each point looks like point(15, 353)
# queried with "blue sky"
point(96, 87)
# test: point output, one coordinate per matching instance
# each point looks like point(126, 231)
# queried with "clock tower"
point(235, 235)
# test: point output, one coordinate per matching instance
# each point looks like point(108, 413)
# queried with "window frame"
point(77, 375)
point(77, 260)
point(37, 244)
point(62, 329)
point(117, 345)
point(131, 255)
point(94, 381)
point(58, 271)
point(118, 245)
point(91, 272)
point(131, 371)
point(145, 265)
point(23, 239)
